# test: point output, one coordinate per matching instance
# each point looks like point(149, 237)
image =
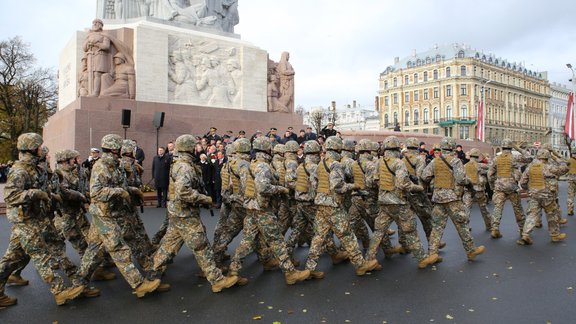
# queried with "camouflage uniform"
point(540, 180)
point(224, 222)
point(280, 205)
point(108, 198)
point(330, 215)
point(290, 165)
point(447, 175)
point(24, 203)
point(503, 175)
point(185, 225)
point(394, 183)
point(477, 172)
point(571, 177)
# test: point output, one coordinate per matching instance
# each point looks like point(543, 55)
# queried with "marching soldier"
point(476, 172)
point(571, 182)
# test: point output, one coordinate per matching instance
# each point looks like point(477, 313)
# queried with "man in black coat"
point(310, 135)
point(328, 130)
point(161, 176)
point(221, 159)
point(139, 154)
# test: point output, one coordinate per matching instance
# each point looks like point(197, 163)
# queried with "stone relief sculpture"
point(107, 66)
point(281, 84)
point(216, 14)
point(204, 73)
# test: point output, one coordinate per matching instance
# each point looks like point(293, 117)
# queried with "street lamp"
point(484, 110)
point(573, 81)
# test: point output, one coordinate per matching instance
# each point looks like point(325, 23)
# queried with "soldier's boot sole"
point(242, 281)
point(147, 286)
point(6, 301)
point(101, 274)
point(224, 283)
point(367, 266)
point(390, 232)
point(563, 221)
point(295, 276)
point(68, 294)
point(570, 213)
point(558, 238)
point(339, 257)
point(271, 264)
point(441, 245)
point(316, 275)
point(538, 225)
point(477, 251)
point(16, 280)
point(91, 292)
point(439, 260)
point(429, 260)
point(495, 234)
point(163, 287)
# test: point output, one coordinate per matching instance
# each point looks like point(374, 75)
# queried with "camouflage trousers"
point(357, 214)
point(422, 206)
point(27, 243)
point(335, 220)
point(440, 214)
point(499, 198)
point(69, 228)
point(571, 195)
point(261, 223)
point(305, 215)
point(135, 236)
point(478, 197)
point(286, 211)
point(189, 231)
point(223, 221)
point(406, 221)
point(552, 211)
point(161, 231)
point(106, 236)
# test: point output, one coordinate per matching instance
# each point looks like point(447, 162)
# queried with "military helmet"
point(128, 146)
point(279, 149)
point(543, 154)
point(292, 146)
point(333, 143)
point(507, 143)
point(412, 143)
point(29, 142)
point(375, 146)
point(112, 142)
point(474, 153)
point(447, 143)
point(348, 145)
point(62, 155)
point(45, 151)
point(311, 147)
point(242, 145)
point(74, 154)
point(262, 144)
point(391, 143)
point(185, 143)
point(230, 149)
point(364, 145)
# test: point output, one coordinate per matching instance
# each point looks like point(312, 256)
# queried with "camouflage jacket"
point(186, 180)
point(277, 165)
point(442, 195)
point(309, 196)
point(509, 184)
point(242, 162)
point(551, 172)
point(106, 187)
point(20, 188)
point(227, 187)
point(364, 161)
point(482, 170)
point(558, 163)
point(402, 183)
point(133, 171)
point(571, 176)
point(338, 186)
point(291, 165)
point(347, 163)
point(415, 160)
point(265, 183)
point(71, 196)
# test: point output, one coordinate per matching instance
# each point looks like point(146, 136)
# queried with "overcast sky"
point(338, 48)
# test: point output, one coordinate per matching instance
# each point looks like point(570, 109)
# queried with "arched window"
point(415, 77)
point(435, 73)
point(436, 114)
point(395, 118)
point(416, 117)
point(448, 112)
point(425, 76)
point(463, 70)
point(406, 79)
point(386, 120)
point(395, 82)
point(464, 112)
point(461, 54)
point(426, 115)
point(406, 118)
point(385, 84)
point(447, 71)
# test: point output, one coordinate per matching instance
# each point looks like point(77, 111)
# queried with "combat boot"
point(367, 266)
point(398, 249)
point(224, 283)
point(242, 281)
point(538, 225)
point(390, 232)
point(147, 286)
point(295, 262)
point(563, 221)
point(570, 213)
point(6, 301)
point(295, 276)
point(525, 240)
point(316, 275)
point(17, 280)
point(91, 292)
point(339, 257)
point(495, 234)
point(439, 260)
point(559, 238)
point(429, 260)
point(271, 264)
point(101, 274)
point(441, 245)
point(477, 251)
point(163, 287)
point(68, 294)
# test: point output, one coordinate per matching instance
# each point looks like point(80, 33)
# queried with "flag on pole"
point(569, 126)
point(480, 122)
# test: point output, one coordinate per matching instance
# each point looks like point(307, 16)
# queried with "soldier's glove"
point(126, 196)
point(284, 190)
point(416, 188)
point(136, 192)
point(205, 200)
point(40, 195)
point(57, 198)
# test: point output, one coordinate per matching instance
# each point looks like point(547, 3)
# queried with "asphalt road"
point(508, 284)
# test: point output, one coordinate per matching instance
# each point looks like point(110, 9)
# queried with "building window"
point(416, 117)
point(448, 91)
point(406, 97)
point(461, 54)
point(448, 72)
point(425, 94)
point(425, 131)
point(463, 70)
point(386, 120)
point(436, 115)
point(395, 118)
point(464, 132)
point(464, 112)
point(435, 74)
point(426, 115)
point(425, 76)
point(406, 79)
point(386, 101)
point(395, 82)
point(385, 84)
point(463, 90)
point(395, 98)
point(416, 95)
point(435, 92)
point(406, 118)
point(415, 77)
point(435, 131)
point(448, 112)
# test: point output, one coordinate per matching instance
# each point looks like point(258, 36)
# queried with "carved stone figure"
point(83, 79)
point(274, 105)
point(99, 59)
point(281, 85)
point(124, 82)
point(234, 81)
point(183, 76)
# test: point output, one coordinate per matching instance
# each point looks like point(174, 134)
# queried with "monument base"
point(81, 124)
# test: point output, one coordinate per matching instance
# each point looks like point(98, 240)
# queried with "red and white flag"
point(480, 122)
point(569, 126)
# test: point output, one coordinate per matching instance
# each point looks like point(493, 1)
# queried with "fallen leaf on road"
point(494, 298)
point(304, 310)
point(347, 293)
point(509, 268)
point(257, 317)
point(270, 307)
point(470, 310)
point(448, 316)
point(184, 311)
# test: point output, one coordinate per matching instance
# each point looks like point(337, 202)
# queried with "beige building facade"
point(438, 92)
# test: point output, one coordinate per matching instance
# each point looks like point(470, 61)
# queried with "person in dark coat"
point(310, 135)
point(161, 176)
point(292, 135)
point(139, 154)
point(221, 159)
point(207, 175)
point(328, 130)
point(302, 137)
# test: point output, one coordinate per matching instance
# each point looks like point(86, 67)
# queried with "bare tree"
point(316, 118)
point(28, 95)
